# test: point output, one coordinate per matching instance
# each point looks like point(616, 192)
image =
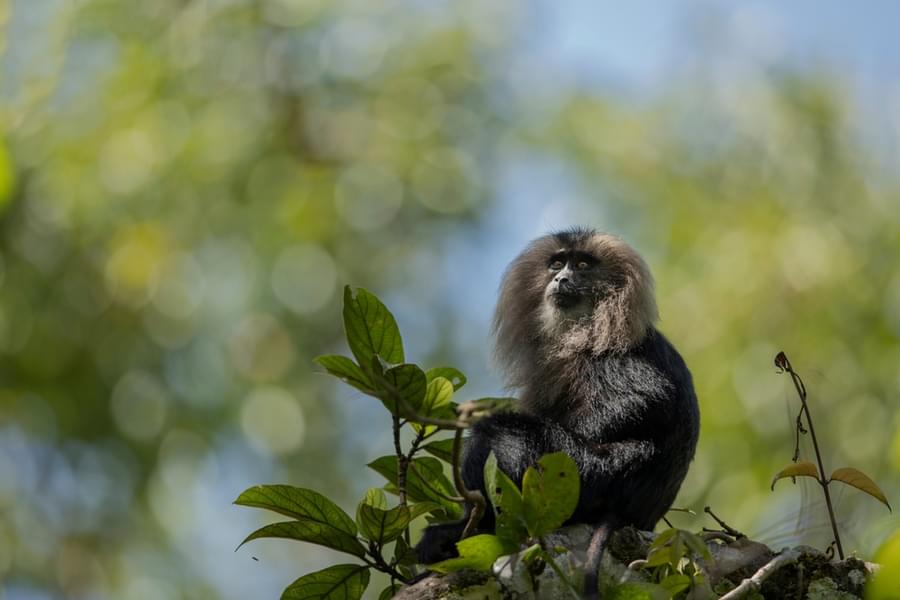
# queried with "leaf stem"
point(378, 563)
point(782, 362)
point(474, 497)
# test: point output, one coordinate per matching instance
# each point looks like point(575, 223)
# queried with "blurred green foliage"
point(185, 185)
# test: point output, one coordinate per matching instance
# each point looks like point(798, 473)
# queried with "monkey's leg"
point(627, 477)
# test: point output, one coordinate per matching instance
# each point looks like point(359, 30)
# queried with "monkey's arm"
point(519, 440)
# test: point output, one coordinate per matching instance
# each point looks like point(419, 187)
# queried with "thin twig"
point(407, 462)
point(725, 527)
point(401, 406)
point(754, 583)
point(709, 535)
point(782, 362)
point(798, 430)
point(402, 463)
point(474, 497)
point(377, 562)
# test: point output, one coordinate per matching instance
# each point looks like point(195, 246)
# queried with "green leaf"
point(438, 394)
point(428, 473)
point(477, 552)
point(696, 544)
point(347, 371)
point(443, 449)
point(370, 328)
point(638, 591)
point(376, 522)
point(663, 538)
point(506, 500)
point(531, 553)
point(677, 582)
point(860, 481)
point(313, 532)
point(298, 503)
point(420, 508)
point(375, 497)
point(659, 556)
point(454, 376)
point(407, 380)
point(676, 549)
point(338, 582)
point(403, 554)
point(382, 526)
point(550, 493)
point(388, 592)
point(799, 469)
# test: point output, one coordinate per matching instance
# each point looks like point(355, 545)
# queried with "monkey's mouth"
point(565, 298)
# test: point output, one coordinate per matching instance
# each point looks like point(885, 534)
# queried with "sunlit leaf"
point(298, 503)
point(374, 497)
point(477, 552)
point(338, 582)
point(638, 591)
point(860, 481)
point(8, 178)
point(798, 469)
point(346, 370)
point(550, 493)
point(454, 376)
point(659, 556)
point(370, 328)
point(438, 393)
point(313, 532)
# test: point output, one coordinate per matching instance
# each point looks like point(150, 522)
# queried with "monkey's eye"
point(582, 265)
point(556, 265)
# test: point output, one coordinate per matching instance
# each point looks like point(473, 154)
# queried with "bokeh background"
point(186, 185)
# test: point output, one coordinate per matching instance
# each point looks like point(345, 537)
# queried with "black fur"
point(628, 418)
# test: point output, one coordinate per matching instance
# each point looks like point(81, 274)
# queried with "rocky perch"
point(740, 568)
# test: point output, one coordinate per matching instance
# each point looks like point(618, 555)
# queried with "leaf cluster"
point(415, 397)
point(547, 499)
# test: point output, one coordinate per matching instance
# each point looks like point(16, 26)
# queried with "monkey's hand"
point(439, 542)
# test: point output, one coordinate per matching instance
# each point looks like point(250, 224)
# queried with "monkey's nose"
point(561, 279)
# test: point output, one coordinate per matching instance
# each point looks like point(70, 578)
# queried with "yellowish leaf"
point(860, 481)
point(799, 469)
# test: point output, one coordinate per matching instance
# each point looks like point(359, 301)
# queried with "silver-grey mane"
point(624, 312)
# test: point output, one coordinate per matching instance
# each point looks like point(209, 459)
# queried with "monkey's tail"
point(605, 527)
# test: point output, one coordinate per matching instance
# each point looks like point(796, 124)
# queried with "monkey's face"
point(571, 290)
